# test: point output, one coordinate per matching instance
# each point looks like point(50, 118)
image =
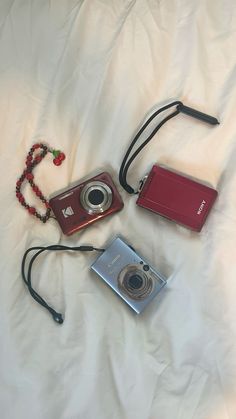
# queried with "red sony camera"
point(86, 203)
point(170, 194)
point(177, 197)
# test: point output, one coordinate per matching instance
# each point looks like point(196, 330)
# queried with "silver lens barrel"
point(96, 197)
point(135, 283)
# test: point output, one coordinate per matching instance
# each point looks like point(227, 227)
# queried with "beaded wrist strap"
point(27, 175)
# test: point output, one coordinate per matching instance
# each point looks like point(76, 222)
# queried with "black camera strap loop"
point(180, 107)
point(57, 317)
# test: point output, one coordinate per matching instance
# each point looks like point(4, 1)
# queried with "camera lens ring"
point(135, 283)
point(96, 189)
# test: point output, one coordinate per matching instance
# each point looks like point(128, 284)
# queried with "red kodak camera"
point(177, 197)
point(86, 203)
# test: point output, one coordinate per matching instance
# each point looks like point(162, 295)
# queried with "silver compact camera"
point(127, 273)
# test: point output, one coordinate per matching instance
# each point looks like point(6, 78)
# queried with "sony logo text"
point(203, 203)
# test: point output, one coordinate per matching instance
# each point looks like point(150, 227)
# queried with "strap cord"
point(57, 317)
point(180, 107)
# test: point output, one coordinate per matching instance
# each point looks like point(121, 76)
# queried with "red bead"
point(38, 159)
point(61, 156)
point(29, 176)
point(47, 205)
point(18, 183)
point(18, 194)
point(38, 193)
point(21, 199)
point(32, 210)
point(35, 146)
point(28, 161)
point(57, 162)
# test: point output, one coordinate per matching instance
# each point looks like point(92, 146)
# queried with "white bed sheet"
point(81, 76)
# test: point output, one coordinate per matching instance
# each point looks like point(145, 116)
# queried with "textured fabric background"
point(82, 76)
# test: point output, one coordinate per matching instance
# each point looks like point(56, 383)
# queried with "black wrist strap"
point(180, 107)
point(27, 277)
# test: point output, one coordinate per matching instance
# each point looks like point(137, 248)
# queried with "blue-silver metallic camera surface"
point(129, 275)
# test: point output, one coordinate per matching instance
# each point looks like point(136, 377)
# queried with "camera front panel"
point(133, 279)
point(86, 203)
point(177, 197)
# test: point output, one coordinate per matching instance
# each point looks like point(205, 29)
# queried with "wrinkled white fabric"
point(82, 76)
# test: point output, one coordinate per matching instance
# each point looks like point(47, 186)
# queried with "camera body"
point(177, 197)
point(83, 204)
point(128, 274)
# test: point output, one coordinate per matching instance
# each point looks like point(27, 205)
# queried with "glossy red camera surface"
point(177, 197)
point(82, 205)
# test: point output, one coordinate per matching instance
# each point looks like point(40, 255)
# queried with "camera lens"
point(96, 197)
point(135, 281)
